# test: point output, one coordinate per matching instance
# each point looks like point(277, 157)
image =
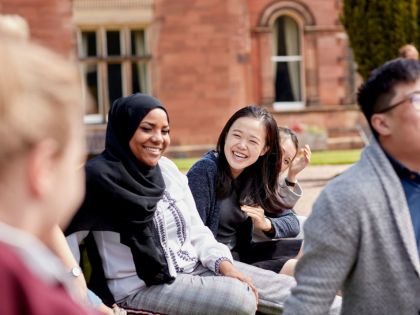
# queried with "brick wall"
point(201, 64)
point(49, 22)
point(210, 57)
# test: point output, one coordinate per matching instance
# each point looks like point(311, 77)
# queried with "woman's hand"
point(300, 161)
point(258, 218)
point(80, 289)
point(228, 269)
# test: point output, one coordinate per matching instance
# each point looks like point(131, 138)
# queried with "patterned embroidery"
point(218, 262)
point(177, 268)
point(159, 219)
point(159, 222)
point(178, 217)
point(184, 255)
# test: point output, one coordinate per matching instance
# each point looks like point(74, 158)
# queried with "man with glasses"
point(363, 236)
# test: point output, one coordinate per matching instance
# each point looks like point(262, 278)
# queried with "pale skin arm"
point(258, 218)
point(228, 269)
point(56, 241)
point(301, 160)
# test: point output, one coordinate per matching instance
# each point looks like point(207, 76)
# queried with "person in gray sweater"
point(363, 236)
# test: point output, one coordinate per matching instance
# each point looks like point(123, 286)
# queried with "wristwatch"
point(289, 183)
point(76, 271)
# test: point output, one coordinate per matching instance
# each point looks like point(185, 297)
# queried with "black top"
point(231, 217)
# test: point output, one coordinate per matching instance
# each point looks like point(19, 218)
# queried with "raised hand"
point(300, 161)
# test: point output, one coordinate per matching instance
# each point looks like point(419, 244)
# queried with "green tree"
point(378, 28)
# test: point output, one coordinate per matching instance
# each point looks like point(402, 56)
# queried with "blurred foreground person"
point(41, 182)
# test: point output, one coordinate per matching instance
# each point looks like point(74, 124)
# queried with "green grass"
point(318, 158)
point(335, 157)
point(184, 164)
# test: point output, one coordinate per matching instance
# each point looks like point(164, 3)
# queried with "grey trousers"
point(204, 292)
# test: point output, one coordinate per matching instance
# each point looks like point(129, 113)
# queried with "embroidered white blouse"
point(183, 236)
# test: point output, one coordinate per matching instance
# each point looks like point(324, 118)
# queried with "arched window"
point(287, 64)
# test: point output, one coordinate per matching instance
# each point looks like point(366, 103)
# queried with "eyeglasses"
point(414, 99)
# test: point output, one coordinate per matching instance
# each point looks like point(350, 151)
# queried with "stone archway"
point(273, 10)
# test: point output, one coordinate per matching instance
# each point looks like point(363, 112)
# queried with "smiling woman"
point(236, 189)
point(151, 137)
point(245, 143)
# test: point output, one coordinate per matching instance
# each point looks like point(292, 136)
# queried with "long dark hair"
point(257, 184)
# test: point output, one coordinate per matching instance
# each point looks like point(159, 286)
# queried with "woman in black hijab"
point(147, 231)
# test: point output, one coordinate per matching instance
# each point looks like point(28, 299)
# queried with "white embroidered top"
point(185, 239)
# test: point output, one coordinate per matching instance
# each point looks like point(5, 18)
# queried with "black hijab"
point(122, 193)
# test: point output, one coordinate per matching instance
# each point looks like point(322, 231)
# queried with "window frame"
point(102, 60)
point(297, 105)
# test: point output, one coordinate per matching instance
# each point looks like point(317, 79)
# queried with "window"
point(114, 63)
point(287, 65)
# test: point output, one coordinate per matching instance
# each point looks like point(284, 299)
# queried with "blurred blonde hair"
point(14, 26)
point(408, 51)
point(40, 98)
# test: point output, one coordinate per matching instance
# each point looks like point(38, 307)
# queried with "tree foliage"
point(378, 28)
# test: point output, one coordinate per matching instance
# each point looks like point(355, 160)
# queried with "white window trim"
point(93, 119)
point(286, 58)
point(286, 106)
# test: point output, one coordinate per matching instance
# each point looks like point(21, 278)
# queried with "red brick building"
point(205, 59)
point(50, 21)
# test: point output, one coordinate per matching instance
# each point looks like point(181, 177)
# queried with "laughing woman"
point(236, 189)
point(155, 252)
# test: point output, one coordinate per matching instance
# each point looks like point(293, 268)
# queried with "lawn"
point(318, 158)
point(335, 157)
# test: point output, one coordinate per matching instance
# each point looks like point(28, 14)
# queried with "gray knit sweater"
point(360, 239)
